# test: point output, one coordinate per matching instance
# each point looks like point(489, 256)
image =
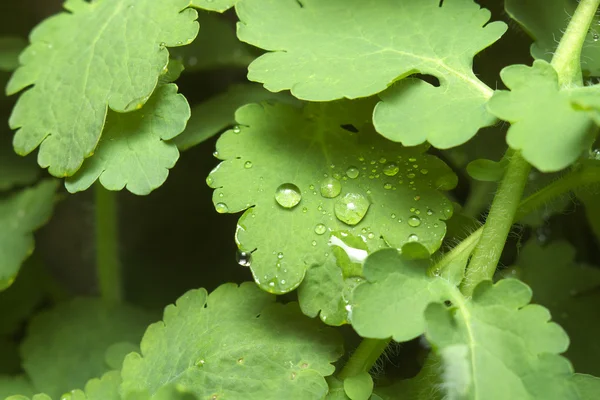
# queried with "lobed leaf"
point(214, 5)
point(392, 301)
point(21, 214)
point(134, 151)
point(15, 385)
point(300, 175)
point(338, 49)
point(235, 340)
point(545, 21)
point(78, 73)
point(588, 386)
point(550, 125)
point(66, 346)
point(497, 346)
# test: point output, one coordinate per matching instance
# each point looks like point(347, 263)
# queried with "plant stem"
point(567, 183)
point(498, 223)
point(567, 59)
point(108, 269)
point(364, 357)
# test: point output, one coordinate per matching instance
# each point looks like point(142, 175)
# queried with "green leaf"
point(323, 51)
point(75, 396)
point(497, 346)
point(487, 170)
point(105, 388)
point(77, 73)
point(549, 125)
point(10, 47)
point(14, 385)
point(133, 151)
point(214, 5)
point(426, 385)
point(15, 170)
point(571, 292)
point(235, 340)
point(66, 346)
point(21, 214)
point(588, 386)
point(216, 47)
point(216, 114)
point(392, 301)
point(546, 21)
point(359, 387)
point(299, 168)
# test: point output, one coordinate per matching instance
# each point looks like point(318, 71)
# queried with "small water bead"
point(414, 221)
point(410, 175)
point(417, 198)
point(330, 188)
point(288, 195)
point(413, 238)
point(351, 208)
point(424, 171)
point(382, 160)
point(221, 208)
point(429, 211)
point(320, 229)
point(209, 180)
point(391, 169)
point(393, 216)
point(314, 242)
point(311, 187)
point(280, 255)
point(371, 235)
point(596, 37)
point(248, 164)
point(244, 258)
point(387, 186)
point(412, 159)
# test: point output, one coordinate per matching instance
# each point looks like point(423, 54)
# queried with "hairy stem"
point(364, 357)
point(498, 223)
point(567, 59)
point(108, 268)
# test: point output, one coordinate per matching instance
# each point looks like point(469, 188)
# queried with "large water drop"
point(414, 221)
point(244, 258)
point(330, 188)
point(351, 208)
point(352, 172)
point(288, 195)
point(391, 169)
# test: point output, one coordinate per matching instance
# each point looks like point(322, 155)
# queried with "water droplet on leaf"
point(352, 172)
point(413, 238)
point(236, 129)
point(248, 164)
point(288, 195)
point(330, 188)
point(351, 208)
point(414, 221)
point(320, 229)
point(391, 169)
point(221, 208)
point(244, 258)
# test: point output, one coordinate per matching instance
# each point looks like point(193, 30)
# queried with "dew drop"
point(351, 208)
point(414, 221)
point(240, 360)
point(393, 216)
point(371, 235)
point(410, 175)
point(314, 243)
point(424, 171)
point(248, 164)
point(236, 129)
point(221, 208)
point(320, 229)
point(387, 186)
point(596, 37)
point(288, 195)
point(199, 363)
point(352, 172)
point(244, 258)
point(382, 160)
point(412, 159)
point(209, 180)
point(436, 272)
point(391, 169)
point(330, 188)
point(413, 238)
point(280, 255)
